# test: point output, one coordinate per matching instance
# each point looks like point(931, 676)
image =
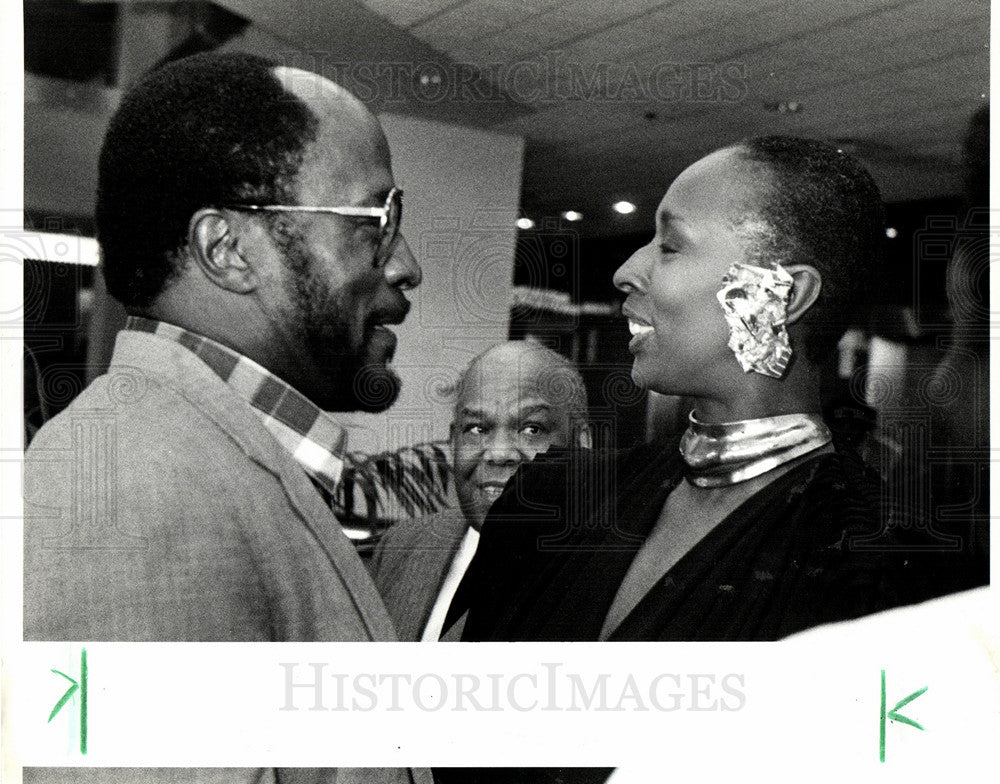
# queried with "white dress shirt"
point(461, 561)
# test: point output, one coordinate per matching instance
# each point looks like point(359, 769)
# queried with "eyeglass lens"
point(392, 219)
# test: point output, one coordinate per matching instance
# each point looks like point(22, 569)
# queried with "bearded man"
point(249, 223)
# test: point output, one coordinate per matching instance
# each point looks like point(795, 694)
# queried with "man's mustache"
point(390, 316)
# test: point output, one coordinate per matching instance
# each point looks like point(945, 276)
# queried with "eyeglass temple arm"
point(357, 212)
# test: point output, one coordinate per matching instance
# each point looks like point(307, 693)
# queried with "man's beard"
point(353, 381)
point(350, 378)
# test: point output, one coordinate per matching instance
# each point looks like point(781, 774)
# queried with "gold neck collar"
point(723, 454)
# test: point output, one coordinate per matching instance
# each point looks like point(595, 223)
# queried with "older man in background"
point(513, 401)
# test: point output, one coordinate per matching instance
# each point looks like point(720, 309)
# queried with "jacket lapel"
point(438, 562)
point(174, 366)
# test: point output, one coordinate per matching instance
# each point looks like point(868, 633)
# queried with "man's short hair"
point(199, 132)
point(559, 380)
point(822, 208)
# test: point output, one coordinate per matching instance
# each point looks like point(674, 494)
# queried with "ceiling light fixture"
point(785, 107)
point(525, 223)
point(891, 233)
point(623, 207)
point(573, 215)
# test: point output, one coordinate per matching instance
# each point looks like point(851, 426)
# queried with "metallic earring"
point(755, 302)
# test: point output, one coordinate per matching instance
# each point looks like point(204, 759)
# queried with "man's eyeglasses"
point(389, 216)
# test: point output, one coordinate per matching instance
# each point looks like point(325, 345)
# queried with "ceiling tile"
point(900, 77)
point(405, 13)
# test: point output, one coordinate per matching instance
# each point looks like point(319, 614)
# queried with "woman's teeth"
point(639, 329)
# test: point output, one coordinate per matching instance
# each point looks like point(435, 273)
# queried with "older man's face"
point(505, 416)
point(332, 297)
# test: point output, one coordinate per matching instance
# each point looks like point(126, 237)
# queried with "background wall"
point(461, 189)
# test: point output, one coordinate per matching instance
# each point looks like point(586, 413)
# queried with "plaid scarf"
point(367, 493)
point(309, 434)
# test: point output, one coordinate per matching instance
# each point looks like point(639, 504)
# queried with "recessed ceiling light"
point(573, 215)
point(785, 107)
point(623, 207)
point(525, 223)
point(891, 233)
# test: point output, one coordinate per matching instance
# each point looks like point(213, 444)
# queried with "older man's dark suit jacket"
point(410, 565)
point(810, 548)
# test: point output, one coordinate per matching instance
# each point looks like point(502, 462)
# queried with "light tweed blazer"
point(225, 776)
point(158, 507)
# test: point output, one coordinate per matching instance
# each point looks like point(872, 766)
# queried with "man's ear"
point(212, 244)
point(584, 437)
point(805, 290)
